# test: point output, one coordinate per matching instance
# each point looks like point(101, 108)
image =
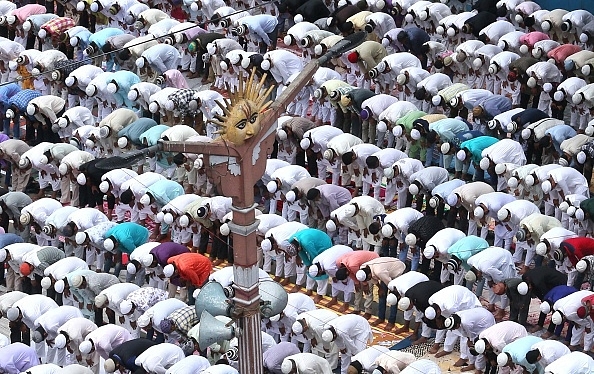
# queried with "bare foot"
point(401, 330)
point(491, 307)
point(344, 308)
point(367, 316)
point(284, 282)
point(318, 298)
point(295, 289)
point(389, 326)
point(309, 292)
point(459, 363)
point(332, 303)
point(420, 341)
point(441, 354)
point(434, 348)
point(468, 368)
point(377, 322)
point(276, 279)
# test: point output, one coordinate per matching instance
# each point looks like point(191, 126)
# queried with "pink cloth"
point(561, 53)
point(176, 79)
point(191, 33)
point(24, 12)
point(354, 260)
point(532, 37)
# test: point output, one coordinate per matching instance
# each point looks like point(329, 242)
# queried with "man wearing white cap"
point(158, 358)
point(35, 214)
point(112, 124)
point(100, 342)
point(69, 169)
point(277, 239)
point(423, 181)
point(90, 286)
point(133, 189)
point(136, 273)
point(545, 352)
point(47, 326)
point(465, 196)
point(363, 209)
point(281, 180)
point(326, 263)
point(493, 339)
point(571, 309)
point(159, 59)
point(53, 156)
point(111, 186)
point(93, 239)
point(574, 362)
point(355, 158)
point(12, 203)
point(111, 297)
point(48, 174)
point(510, 215)
point(315, 143)
point(72, 333)
point(302, 363)
point(437, 247)
point(336, 147)
point(487, 206)
point(310, 325)
point(136, 303)
point(326, 198)
point(533, 182)
point(467, 325)
point(27, 310)
point(282, 323)
point(11, 151)
point(564, 181)
point(376, 164)
point(152, 318)
point(78, 221)
point(496, 265)
point(351, 334)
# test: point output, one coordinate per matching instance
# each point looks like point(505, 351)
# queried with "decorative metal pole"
point(235, 165)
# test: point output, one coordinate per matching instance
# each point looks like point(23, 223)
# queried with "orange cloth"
point(27, 82)
point(354, 260)
point(192, 267)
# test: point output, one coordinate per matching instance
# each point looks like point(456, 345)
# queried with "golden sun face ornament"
point(242, 112)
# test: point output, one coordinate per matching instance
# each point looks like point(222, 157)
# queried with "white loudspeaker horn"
point(213, 331)
point(213, 300)
point(273, 298)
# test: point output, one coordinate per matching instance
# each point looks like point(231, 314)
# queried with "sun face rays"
point(241, 116)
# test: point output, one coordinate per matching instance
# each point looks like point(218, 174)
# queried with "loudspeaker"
point(213, 300)
point(212, 330)
point(273, 298)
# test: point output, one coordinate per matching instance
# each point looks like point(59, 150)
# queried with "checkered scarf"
point(181, 98)
point(58, 26)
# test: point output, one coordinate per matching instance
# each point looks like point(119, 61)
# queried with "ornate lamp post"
point(235, 162)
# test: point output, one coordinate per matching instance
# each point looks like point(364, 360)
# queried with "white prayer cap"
point(526, 134)
point(328, 154)
point(168, 218)
point(225, 230)
point(109, 365)
point(101, 300)
point(144, 320)
point(297, 328)
point(313, 270)
point(91, 90)
point(350, 210)
point(502, 358)
point(31, 109)
point(272, 186)
point(380, 4)
point(452, 200)
point(361, 275)
point(125, 307)
point(415, 134)
point(287, 366)
point(397, 130)
point(484, 163)
point(571, 211)
point(445, 147)
point(108, 244)
point(434, 202)
point(547, 87)
point(500, 169)
point(581, 157)
point(81, 179)
point(327, 336)
point(89, 143)
point(184, 221)
point(581, 266)
point(12, 65)
point(140, 62)
point(430, 313)
point(579, 214)
point(524, 49)
point(584, 39)
point(502, 214)
point(451, 32)
point(131, 268)
point(25, 218)
point(461, 155)
point(530, 180)
point(470, 276)
point(557, 318)
point(85, 347)
point(80, 237)
point(410, 239)
point(330, 226)
point(305, 143)
point(546, 186)
point(27, 25)
point(479, 346)
point(523, 288)
point(512, 182)
point(282, 134)
point(531, 82)
point(168, 270)
point(389, 172)
point(60, 341)
point(59, 286)
point(545, 307)
point(477, 63)
point(153, 107)
point(413, 189)
point(147, 260)
point(404, 304)
point(439, 30)
point(145, 199)
point(290, 196)
point(391, 299)
point(265, 65)
point(541, 249)
point(479, 212)
point(122, 142)
point(12, 314)
point(46, 283)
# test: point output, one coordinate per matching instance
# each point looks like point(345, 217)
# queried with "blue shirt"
point(164, 191)
point(128, 235)
point(100, 37)
point(477, 145)
point(558, 292)
point(21, 99)
point(518, 349)
point(137, 128)
point(560, 133)
point(261, 25)
point(124, 79)
point(8, 91)
point(467, 247)
point(312, 243)
point(9, 238)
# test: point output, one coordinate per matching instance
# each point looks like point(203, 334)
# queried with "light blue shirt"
point(124, 79)
point(466, 248)
point(100, 37)
point(164, 191)
point(560, 133)
point(261, 25)
point(518, 349)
